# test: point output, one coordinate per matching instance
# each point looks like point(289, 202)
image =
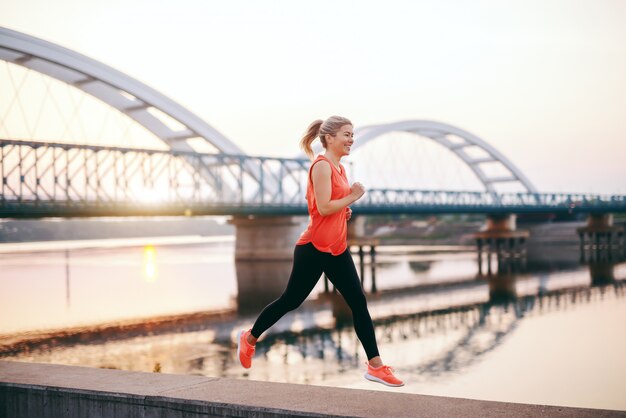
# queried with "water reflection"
point(97, 285)
point(602, 263)
point(259, 283)
point(420, 266)
point(149, 261)
point(67, 278)
point(473, 318)
point(512, 274)
point(451, 339)
point(438, 343)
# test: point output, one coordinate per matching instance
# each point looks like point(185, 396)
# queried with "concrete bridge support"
point(500, 237)
point(601, 247)
point(600, 233)
point(266, 238)
point(263, 257)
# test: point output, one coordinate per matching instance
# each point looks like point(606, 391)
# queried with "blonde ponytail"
point(311, 133)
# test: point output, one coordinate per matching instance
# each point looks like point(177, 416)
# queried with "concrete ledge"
point(47, 390)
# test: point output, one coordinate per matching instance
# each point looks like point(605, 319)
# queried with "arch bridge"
point(43, 179)
point(54, 179)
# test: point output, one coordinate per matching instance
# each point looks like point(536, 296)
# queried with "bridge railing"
point(481, 199)
point(52, 179)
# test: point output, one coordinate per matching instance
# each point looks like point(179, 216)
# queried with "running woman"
point(322, 248)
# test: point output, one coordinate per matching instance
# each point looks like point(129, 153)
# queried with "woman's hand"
point(348, 213)
point(357, 190)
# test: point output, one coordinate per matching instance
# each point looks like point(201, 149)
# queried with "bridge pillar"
point(501, 222)
point(266, 237)
point(500, 237)
point(601, 233)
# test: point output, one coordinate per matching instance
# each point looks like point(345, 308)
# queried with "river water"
point(546, 328)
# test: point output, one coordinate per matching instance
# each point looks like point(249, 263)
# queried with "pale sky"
point(542, 81)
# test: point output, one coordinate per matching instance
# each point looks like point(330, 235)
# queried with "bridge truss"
point(50, 179)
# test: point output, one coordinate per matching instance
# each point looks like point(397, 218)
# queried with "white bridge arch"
point(136, 100)
point(118, 90)
point(442, 134)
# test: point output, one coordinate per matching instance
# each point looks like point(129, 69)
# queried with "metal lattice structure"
point(47, 179)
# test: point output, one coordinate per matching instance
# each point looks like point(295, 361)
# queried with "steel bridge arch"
point(131, 97)
point(438, 132)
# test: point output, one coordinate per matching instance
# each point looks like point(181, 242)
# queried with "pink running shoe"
point(382, 374)
point(245, 351)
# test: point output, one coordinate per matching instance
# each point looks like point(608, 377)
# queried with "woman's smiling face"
point(342, 141)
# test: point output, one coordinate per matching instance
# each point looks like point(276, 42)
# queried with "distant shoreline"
point(40, 246)
point(94, 229)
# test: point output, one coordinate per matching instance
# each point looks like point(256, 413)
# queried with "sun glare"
point(149, 262)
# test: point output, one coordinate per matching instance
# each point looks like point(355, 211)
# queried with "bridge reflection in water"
point(431, 327)
point(480, 311)
point(441, 343)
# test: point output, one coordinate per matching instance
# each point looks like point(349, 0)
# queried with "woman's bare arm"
point(322, 187)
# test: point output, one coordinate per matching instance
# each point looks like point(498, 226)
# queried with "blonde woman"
point(322, 247)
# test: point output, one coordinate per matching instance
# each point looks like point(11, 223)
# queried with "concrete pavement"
point(34, 389)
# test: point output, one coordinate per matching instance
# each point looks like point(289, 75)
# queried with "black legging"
point(308, 265)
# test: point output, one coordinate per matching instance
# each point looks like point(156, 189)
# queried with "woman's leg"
point(342, 273)
point(306, 271)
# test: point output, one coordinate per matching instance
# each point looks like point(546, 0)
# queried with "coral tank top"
point(327, 233)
